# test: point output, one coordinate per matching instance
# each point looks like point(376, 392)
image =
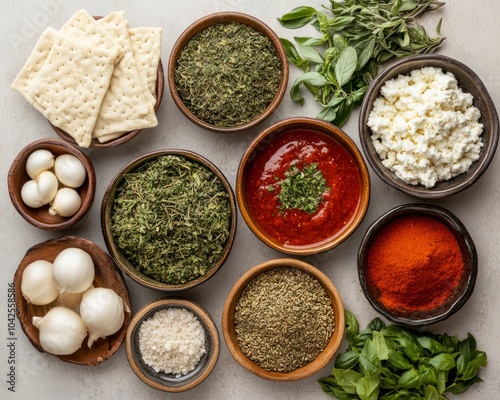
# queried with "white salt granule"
point(425, 128)
point(172, 341)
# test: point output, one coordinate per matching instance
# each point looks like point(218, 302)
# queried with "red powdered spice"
point(414, 264)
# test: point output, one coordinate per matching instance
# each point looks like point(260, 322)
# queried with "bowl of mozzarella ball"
point(428, 126)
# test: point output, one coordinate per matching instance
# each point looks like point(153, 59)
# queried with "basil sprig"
point(339, 65)
point(392, 362)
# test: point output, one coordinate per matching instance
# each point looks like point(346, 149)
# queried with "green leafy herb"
point(171, 218)
point(392, 362)
point(227, 74)
point(301, 189)
point(355, 38)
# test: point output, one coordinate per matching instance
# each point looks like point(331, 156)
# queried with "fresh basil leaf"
point(365, 51)
point(430, 393)
point(380, 345)
point(451, 342)
point(357, 96)
point(293, 56)
point(369, 362)
point(462, 386)
point(343, 113)
point(327, 114)
point(467, 347)
point(376, 324)
point(388, 380)
point(410, 379)
point(347, 379)
point(442, 378)
point(298, 17)
point(340, 42)
point(310, 78)
point(338, 23)
point(399, 361)
point(323, 22)
point(367, 388)
point(443, 362)
point(472, 368)
point(311, 41)
point(351, 325)
point(309, 52)
point(432, 345)
point(410, 347)
point(428, 374)
point(346, 65)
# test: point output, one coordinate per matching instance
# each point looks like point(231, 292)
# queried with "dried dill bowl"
point(169, 219)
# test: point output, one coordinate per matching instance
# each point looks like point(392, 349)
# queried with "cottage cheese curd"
point(425, 128)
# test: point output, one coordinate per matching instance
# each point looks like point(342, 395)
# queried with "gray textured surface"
point(472, 33)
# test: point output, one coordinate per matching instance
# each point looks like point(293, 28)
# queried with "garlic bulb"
point(66, 203)
point(37, 285)
point(61, 331)
point(39, 161)
point(73, 270)
point(70, 170)
point(30, 195)
point(102, 311)
point(47, 185)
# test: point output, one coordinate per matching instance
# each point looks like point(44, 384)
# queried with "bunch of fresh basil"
point(392, 362)
point(346, 56)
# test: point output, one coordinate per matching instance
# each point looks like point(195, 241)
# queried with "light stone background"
point(473, 37)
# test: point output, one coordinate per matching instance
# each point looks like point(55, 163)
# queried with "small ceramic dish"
point(225, 18)
point(122, 260)
point(470, 83)
point(18, 176)
point(169, 382)
point(106, 275)
point(304, 142)
point(446, 299)
point(229, 330)
point(160, 84)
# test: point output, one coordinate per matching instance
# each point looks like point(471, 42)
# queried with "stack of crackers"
point(94, 78)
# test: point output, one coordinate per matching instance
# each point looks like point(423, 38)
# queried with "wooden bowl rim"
point(226, 17)
point(313, 367)
point(113, 341)
point(15, 188)
point(122, 262)
point(333, 132)
point(207, 323)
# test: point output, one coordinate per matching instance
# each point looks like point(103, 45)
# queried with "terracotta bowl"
point(222, 18)
point(261, 143)
point(160, 84)
point(106, 275)
point(18, 176)
point(106, 214)
point(470, 83)
point(228, 324)
point(456, 299)
point(161, 380)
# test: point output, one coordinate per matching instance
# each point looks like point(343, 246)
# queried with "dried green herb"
point(393, 362)
point(301, 189)
point(283, 319)
point(171, 217)
point(361, 34)
point(228, 74)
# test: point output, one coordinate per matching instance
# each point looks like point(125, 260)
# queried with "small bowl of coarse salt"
point(428, 126)
point(172, 344)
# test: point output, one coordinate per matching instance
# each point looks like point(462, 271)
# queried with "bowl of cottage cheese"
point(428, 126)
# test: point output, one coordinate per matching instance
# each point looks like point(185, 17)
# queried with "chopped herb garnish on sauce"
point(301, 189)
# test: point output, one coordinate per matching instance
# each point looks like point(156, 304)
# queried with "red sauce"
point(295, 227)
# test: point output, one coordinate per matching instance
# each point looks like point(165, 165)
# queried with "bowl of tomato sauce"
point(303, 186)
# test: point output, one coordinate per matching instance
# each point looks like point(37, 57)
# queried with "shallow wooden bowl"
point(160, 84)
point(322, 360)
point(106, 275)
point(260, 142)
point(470, 83)
point(169, 382)
point(456, 299)
point(221, 18)
point(106, 212)
point(18, 176)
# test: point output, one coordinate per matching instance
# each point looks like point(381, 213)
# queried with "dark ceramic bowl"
point(223, 18)
point(107, 208)
point(18, 176)
point(261, 142)
point(470, 83)
point(161, 380)
point(106, 275)
point(458, 296)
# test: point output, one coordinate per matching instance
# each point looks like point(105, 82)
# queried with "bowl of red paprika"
point(303, 186)
point(417, 264)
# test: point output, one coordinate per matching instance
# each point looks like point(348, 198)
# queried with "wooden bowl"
point(18, 176)
point(161, 380)
point(223, 18)
point(262, 143)
point(106, 275)
point(470, 83)
point(228, 325)
point(107, 208)
point(456, 299)
point(160, 84)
